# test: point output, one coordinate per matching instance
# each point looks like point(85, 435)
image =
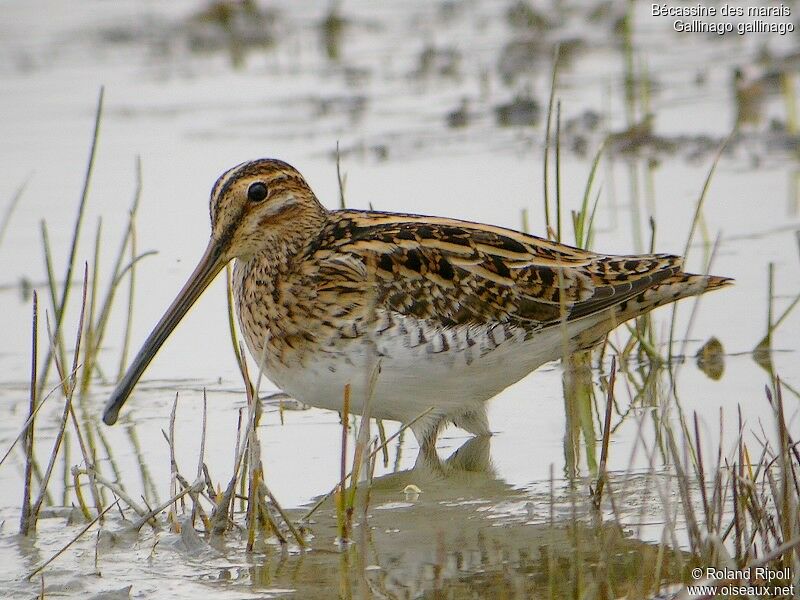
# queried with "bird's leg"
point(472, 456)
point(474, 421)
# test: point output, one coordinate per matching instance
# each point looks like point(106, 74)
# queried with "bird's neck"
point(281, 245)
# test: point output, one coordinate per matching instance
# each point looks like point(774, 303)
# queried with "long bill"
point(207, 269)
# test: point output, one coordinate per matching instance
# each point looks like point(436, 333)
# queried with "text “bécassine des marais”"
point(726, 10)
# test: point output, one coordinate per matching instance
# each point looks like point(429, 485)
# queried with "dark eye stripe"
point(257, 191)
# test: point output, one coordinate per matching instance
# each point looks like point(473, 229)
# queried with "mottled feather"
point(455, 272)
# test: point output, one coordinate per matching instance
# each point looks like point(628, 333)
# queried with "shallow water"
point(191, 100)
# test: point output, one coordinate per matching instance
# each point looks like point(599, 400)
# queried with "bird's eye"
point(256, 192)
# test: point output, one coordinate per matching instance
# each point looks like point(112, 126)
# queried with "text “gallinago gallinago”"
point(452, 312)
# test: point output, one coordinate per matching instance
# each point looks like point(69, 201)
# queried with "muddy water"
point(438, 108)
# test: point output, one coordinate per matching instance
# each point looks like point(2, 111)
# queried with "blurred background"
point(436, 108)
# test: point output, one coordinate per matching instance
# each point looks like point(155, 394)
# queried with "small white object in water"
point(412, 492)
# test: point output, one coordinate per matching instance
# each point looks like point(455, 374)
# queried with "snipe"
point(452, 311)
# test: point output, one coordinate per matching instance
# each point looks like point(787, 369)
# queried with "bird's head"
point(258, 206)
point(258, 201)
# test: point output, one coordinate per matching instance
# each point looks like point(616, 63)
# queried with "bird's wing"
point(456, 272)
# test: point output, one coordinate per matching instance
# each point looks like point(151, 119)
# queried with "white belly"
point(454, 371)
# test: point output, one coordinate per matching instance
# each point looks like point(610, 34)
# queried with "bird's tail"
point(674, 287)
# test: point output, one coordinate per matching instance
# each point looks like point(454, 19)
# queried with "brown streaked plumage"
point(451, 311)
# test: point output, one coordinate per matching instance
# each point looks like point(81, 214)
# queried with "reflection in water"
point(579, 404)
point(468, 534)
point(232, 26)
point(711, 359)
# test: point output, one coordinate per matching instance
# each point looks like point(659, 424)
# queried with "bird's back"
point(452, 273)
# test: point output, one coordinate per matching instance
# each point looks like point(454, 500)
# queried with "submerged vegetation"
point(697, 495)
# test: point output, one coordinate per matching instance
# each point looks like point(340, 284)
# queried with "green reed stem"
point(697, 212)
point(558, 171)
point(545, 179)
point(62, 304)
point(341, 179)
point(131, 235)
point(52, 286)
point(89, 347)
point(12, 205)
point(582, 221)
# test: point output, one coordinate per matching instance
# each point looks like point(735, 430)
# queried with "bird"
point(424, 318)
